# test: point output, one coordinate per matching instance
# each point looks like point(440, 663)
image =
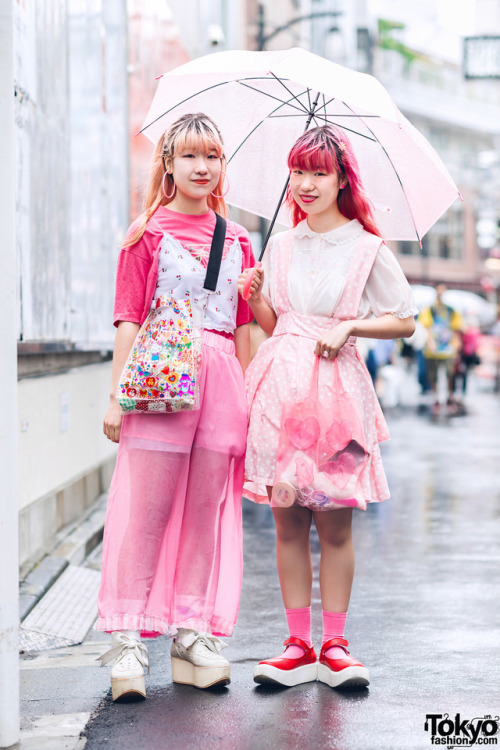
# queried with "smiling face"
point(196, 170)
point(315, 191)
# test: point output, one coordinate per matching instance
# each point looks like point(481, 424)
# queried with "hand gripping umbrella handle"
point(248, 281)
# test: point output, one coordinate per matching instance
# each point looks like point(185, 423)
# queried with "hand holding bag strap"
point(215, 257)
point(313, 393)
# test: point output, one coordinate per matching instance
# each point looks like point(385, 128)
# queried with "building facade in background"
point(421, 64)
point(155, 47)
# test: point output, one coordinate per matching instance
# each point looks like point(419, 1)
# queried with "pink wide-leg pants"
point(172, 551)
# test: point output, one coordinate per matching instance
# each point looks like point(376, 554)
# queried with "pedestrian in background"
point(172, 553)
point(315, 422)
point(467, 358)
point(443, 325)
point(417, 342)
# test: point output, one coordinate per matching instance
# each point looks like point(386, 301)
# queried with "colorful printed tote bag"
point(161, 372)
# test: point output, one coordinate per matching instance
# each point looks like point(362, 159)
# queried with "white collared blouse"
point(318, 271)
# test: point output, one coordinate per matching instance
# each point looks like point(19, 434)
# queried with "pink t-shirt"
point(137, 270)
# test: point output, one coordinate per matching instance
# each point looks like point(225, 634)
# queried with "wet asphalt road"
point(424, 616)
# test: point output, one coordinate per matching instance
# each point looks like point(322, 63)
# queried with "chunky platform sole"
point(128, 686)
point(265, 674)
point(186, 673)
point(350, 678)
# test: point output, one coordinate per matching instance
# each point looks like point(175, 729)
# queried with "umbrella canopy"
point(263, 101)
point(472, 306)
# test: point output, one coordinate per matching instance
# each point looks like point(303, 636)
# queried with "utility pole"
point(9, 553)
point(261, 41)
point(262, 38)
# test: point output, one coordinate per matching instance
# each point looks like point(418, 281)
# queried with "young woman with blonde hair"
point(172, 555)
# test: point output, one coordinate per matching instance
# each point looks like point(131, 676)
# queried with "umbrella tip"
point(461, 196)
point(158, 77)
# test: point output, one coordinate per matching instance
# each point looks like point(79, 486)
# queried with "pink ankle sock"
point(299, 626)
point(333, 627)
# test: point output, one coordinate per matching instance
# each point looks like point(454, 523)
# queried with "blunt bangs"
point(313, 155)
point(198, 137)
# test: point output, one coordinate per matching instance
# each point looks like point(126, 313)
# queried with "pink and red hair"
point(328, 149)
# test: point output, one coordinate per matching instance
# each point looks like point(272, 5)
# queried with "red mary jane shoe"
point(288, 672)
point(345, 672)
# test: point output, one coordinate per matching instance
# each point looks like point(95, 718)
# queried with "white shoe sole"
point(265, 674)
point(351, 677)
point(122, 686)
point(186, 673)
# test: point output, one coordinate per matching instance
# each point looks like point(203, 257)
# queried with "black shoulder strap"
point(215, 258)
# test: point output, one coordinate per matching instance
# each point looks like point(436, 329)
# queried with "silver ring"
point(325, 354)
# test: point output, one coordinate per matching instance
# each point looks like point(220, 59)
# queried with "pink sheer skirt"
point(172, 551)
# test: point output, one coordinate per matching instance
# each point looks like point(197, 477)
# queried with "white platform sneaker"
point(129, 657)
point(196, 659)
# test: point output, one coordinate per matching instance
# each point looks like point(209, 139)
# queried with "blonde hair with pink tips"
point(329, 149)
point(193, 131)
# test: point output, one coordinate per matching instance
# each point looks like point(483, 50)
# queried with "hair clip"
point(341, 145)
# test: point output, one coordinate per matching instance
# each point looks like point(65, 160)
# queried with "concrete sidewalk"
point(424, 616)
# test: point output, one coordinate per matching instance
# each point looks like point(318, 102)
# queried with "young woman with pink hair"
point(315, 421)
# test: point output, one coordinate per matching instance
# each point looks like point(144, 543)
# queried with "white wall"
point(71, 140)
point(60, 429)
point(487, 20)
point(99, 189)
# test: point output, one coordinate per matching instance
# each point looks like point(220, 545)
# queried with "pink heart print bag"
point(322, 451)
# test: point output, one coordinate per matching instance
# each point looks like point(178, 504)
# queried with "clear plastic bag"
point(322, 450)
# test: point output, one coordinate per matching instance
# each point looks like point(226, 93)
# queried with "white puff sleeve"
point(387, 290)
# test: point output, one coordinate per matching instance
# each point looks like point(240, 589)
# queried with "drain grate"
point(65, 614)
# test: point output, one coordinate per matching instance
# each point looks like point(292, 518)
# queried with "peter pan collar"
point(338, 236)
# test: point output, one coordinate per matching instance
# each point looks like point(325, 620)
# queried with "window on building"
point(445, 240)
point(426, 246)
point(408, 248)
point(444, 247)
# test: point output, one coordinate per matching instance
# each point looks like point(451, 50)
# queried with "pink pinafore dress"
point(315, 423)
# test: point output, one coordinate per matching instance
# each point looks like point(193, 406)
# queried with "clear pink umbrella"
point(262, 102)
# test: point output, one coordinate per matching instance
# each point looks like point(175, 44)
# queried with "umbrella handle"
point(248, 281)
